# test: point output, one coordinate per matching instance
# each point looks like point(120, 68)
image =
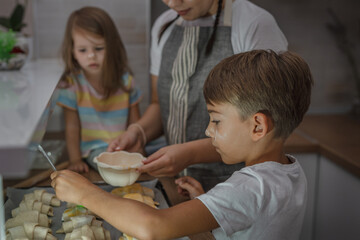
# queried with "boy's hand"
point(71, 187)
point(78, 166)
point(188, 186)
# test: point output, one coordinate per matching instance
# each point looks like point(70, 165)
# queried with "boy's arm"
point(134, 218)
point(72, 135)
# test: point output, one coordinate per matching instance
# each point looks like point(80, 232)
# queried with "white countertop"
point(24, 111)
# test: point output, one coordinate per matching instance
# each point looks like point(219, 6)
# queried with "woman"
point(187, 42)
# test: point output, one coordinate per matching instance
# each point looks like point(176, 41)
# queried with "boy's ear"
point(261, 125)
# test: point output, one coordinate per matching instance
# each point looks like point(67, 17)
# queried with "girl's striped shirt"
point(101, 119)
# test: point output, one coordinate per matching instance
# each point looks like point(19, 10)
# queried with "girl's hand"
point(71, 186)
point(78, 166)
point(130, 141)
point(167, 161)
point(188, 186)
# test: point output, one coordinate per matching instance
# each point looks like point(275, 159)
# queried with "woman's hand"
point(188, 186)
point(168, 161)
point(71, 186)
point(78, 166)
point(130, 141)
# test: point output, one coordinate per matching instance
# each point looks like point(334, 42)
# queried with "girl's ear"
point(261, 125)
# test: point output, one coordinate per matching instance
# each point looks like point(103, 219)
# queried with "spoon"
point(46, 156)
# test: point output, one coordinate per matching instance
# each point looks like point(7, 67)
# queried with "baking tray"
point(15, 195)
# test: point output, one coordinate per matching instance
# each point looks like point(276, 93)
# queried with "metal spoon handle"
point(46, 156)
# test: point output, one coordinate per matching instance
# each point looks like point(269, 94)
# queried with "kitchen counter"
point(25, 104)
point(26, 101)
point(336, 137)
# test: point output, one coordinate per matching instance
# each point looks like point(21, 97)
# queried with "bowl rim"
point(104, 165)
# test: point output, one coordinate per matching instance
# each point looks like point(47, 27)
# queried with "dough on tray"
point(28, 217)
point(141, 198)
point(33, 204)
point(75, 210)
point(134, 188)
point(126, 237)
point(43, 196)
point(89, 232)
point(77, 222)
point(29, 231)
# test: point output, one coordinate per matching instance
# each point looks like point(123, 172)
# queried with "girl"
point(188, 40)
point(98, 94)
point(255, 100)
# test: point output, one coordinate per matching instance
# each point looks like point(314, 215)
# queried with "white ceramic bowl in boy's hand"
point(119, 168)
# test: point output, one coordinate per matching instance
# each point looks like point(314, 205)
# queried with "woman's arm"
point(134, 218)
point(150, 122)
point(170, 160)
point(72, 135)
point(134, 116)
point(134, 113)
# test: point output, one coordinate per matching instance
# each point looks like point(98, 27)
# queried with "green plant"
point(7, 43)
point(15, 21)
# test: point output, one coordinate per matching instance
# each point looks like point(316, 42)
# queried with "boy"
point(255, 100)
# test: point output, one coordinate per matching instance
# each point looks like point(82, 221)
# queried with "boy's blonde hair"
point(278, 85)
point(96, 21)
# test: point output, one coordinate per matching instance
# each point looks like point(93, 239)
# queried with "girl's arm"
point(134, 218)
point(72, 135)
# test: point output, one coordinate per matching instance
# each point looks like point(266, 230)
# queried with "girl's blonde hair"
point(96, 21)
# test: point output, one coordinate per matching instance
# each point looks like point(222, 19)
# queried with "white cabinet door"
point(310, 164)
point(338, 203)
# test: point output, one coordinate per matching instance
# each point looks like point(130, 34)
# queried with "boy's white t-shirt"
point(263, 201)
point(251, 28)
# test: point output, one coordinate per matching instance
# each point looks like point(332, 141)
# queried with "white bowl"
point(118, 168)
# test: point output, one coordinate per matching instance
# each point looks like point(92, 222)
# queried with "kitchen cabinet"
point(332, 210)
point(332, 168)
point(337, 203)
point(310, 164)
